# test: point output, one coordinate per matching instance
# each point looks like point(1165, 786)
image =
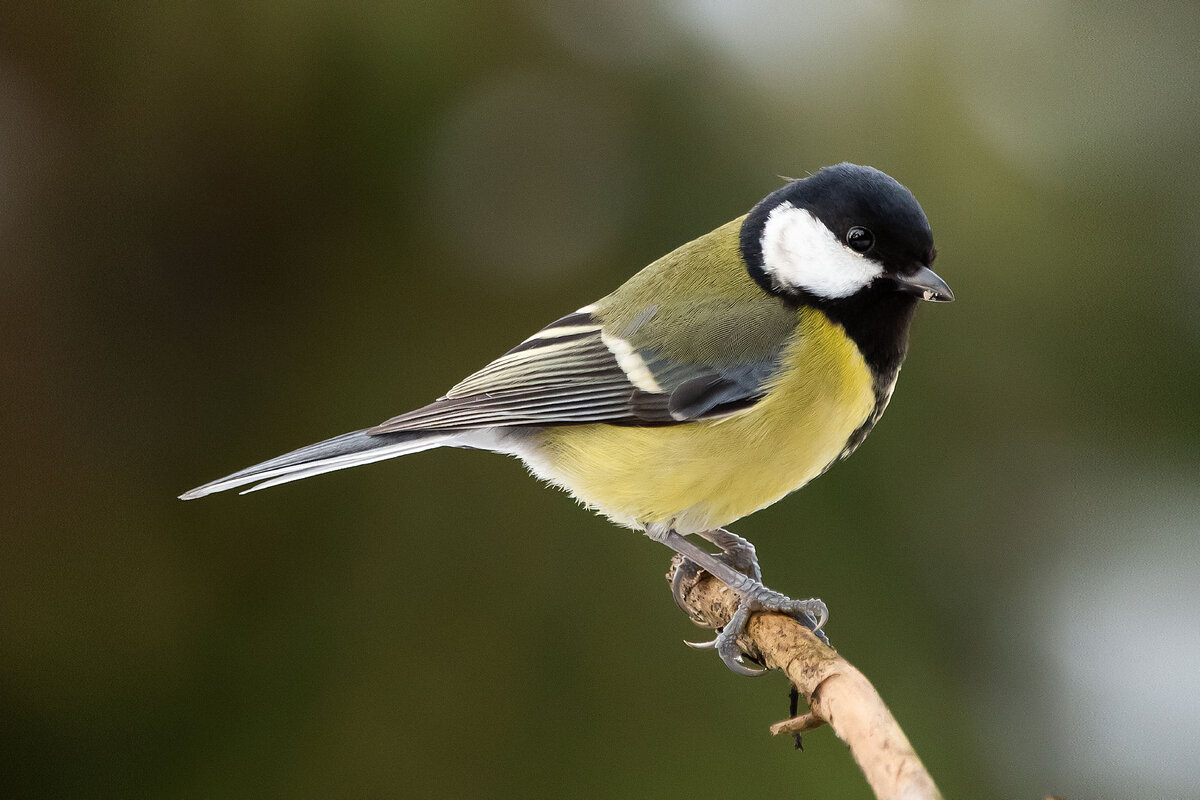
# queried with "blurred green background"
point(228, 229)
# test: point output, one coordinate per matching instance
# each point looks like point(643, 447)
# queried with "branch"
point(837, 693)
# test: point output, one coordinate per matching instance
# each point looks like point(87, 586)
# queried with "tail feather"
point(340, 452)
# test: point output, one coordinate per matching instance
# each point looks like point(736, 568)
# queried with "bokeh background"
point(232, 228)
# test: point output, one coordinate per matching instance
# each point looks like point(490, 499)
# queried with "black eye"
point(860, 240)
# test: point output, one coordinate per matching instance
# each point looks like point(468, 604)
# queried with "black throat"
point(877, 320)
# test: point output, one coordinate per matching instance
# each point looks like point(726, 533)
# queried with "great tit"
point(720, 378)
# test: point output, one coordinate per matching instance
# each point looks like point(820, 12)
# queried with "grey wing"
point(572, 372)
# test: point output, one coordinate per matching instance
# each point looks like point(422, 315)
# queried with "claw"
point(813, 613)
point(818, 627)
point(685, 574)
point(727, 647)
point(822, 614)
point(677, 585)
point(735, 665)
point(702, 645)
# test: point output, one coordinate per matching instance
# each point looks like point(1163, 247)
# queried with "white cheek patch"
point(800, 252)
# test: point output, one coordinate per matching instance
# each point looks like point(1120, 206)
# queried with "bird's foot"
point(736, 552)
point(753, 596)
point(737, 567)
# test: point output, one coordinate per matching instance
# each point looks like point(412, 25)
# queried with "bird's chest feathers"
point(824, 394)
point(707, 474)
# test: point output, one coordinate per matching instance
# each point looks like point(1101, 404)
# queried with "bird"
point(711, 384)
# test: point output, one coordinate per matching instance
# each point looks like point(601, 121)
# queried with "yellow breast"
point(704, 475)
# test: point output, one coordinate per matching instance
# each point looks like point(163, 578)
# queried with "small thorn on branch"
point(800, 724)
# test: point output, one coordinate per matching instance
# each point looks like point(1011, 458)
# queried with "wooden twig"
point(837, 693)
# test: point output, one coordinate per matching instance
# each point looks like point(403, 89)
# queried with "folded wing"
point(573, 372)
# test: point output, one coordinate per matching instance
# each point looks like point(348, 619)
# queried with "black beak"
point(926, 284)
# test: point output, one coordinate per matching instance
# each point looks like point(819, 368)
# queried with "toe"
point(731, 654)
point(727, 646)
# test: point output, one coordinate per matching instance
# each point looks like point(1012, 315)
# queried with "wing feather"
point(571, 372)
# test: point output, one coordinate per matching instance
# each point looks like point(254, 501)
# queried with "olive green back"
point(717, 315)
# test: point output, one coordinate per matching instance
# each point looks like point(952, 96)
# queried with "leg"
point(739, 552)
point(735, 551)
point(752, 594)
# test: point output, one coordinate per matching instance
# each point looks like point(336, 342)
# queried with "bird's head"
point(845, 230)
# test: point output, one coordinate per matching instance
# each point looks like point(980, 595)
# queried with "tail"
point(340, 452)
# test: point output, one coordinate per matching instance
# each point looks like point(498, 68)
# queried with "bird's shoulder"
point(698, 304)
